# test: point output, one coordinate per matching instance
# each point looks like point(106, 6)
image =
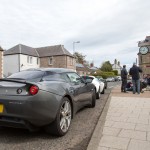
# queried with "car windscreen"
point(34, 76)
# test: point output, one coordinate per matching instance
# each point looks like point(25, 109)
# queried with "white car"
point(110, 79)
point(100, 89)
point(119, 78)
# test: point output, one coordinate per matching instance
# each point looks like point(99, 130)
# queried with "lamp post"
point(74, 45)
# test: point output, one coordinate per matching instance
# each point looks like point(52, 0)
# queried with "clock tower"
point(144, 55)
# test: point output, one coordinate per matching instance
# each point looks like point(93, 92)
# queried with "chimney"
point(115, 61)
point(91, 64)
point(1, 62)
point(118, 63)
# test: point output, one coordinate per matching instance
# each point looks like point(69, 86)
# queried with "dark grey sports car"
point(45, 97)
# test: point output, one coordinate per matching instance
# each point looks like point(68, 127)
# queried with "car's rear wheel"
point(63, 119)
point(93, 103)
point(98, 94)
point(103, 91)
point(106, 86)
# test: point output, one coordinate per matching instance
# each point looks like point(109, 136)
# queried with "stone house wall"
point(58, 62)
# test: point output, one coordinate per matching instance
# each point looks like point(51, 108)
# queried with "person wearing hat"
point(135, 73)
point(124, 74)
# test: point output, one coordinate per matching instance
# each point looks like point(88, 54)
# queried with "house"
point(116, 66)
point(82, 69)
point(1, 62)
point(85, 68)
point(21, 57)
point(93, 68)
point(56, 57)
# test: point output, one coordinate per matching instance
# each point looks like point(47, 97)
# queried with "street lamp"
point(74, 45)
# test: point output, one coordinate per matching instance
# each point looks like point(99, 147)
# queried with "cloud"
point(107, 30)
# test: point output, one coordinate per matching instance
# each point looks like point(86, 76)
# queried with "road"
point(77, 138)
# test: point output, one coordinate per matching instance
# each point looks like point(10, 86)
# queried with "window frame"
point(29, 59)
point(50, 60)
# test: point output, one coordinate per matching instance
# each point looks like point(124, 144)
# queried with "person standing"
point(135, 73)
point(124, 78)
point(148, 79)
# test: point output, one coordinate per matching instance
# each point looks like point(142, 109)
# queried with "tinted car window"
point(28, 75)
point(52, 76)
point(66, 77)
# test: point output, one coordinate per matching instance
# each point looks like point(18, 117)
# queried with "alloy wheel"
point(65, 116)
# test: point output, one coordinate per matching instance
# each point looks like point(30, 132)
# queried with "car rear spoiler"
point(18, 81)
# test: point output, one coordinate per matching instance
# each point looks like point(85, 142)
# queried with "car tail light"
point(33, 90)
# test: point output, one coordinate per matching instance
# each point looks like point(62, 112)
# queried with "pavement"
point(124, 123)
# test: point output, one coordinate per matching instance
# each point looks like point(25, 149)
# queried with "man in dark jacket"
point(134, 72)
point(124, 78)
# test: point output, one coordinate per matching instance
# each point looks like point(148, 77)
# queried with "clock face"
point(143, 50)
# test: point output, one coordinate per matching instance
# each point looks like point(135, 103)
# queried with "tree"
point(80, 58)
point(115, 72)
point(106, 66)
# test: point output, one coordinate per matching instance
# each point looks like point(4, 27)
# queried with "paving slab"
point(114, 142)
point(124, 123)
point(139, 145)
point(132, 134)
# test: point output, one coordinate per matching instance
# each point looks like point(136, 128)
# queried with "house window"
point(29, 59)
point(50, 60)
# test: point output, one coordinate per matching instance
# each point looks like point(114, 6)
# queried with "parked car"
point(104, 81)
point(47, 98)
point(110, 79)
point(98, 84)
point(119, 78)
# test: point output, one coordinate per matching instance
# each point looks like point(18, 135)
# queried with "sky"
point(107, 29)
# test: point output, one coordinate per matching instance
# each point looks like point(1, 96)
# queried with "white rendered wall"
point(116, 67)
point(10, 64)
point(25, 65)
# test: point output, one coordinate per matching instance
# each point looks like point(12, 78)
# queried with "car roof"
point(87, 76)
point(56, 70)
